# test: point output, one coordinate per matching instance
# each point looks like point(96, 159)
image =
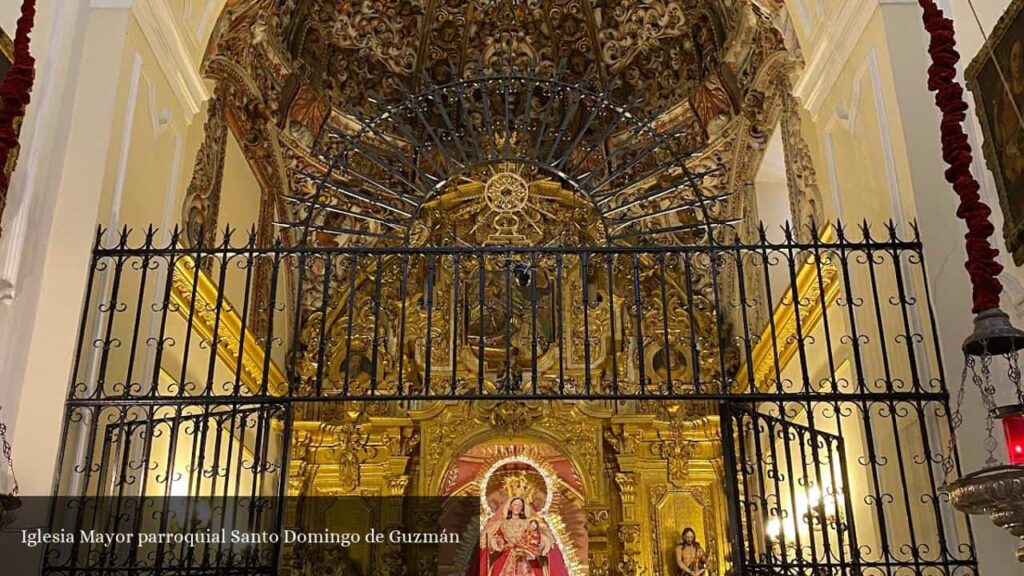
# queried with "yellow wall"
point(878, 156)
point(150, 162)
point(240, 191)
point(116, 119)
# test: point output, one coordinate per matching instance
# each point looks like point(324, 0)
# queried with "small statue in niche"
point(690, 556)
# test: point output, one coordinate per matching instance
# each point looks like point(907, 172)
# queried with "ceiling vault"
point(356, 116)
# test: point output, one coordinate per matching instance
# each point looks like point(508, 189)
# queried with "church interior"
point(670, 288)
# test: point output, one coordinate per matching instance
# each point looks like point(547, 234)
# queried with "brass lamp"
point(997, 490)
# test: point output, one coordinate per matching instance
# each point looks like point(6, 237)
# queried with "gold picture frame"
point(1003, 148)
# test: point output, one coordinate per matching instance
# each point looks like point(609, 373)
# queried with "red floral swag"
point(16, 88)
point(956, 151)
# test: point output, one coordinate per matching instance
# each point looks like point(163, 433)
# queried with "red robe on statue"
point(518, 548)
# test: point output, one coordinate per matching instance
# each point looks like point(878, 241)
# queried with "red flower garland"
point(956, 151)
point(16, 88)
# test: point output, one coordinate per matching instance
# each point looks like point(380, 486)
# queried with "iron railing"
point(707, 322)
point(818, 358)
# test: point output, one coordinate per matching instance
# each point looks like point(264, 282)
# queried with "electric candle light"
point(1013, 429)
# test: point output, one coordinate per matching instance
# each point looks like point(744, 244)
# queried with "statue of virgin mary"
point(516, 541)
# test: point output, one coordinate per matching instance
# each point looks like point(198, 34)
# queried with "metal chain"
point(1014, 375)
point(956, 419)
point(988, 392)
point(7, 455)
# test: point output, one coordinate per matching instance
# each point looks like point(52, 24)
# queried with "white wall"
point(879, 155)
point(110, 137)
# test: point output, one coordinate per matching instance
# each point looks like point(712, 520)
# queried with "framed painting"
point(996, 79)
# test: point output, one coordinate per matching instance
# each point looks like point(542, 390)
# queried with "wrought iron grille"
point(818, 358)
point(641, 178)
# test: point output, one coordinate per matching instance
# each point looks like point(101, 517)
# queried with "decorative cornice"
point(828, 56)
point(166, 39)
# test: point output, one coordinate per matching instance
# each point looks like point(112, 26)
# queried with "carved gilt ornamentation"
point(202, 200)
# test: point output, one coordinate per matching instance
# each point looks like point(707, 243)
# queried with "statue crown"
point(518, 485)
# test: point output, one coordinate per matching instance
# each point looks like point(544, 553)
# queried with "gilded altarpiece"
point(613, 487)
point(625, 480)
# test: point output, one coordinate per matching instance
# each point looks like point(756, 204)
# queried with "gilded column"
point(201, 207)
point(804, 195)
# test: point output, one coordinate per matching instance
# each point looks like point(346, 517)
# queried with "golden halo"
point(545, 474)
point(550, 477)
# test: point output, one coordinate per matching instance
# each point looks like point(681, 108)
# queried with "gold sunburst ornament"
point(506, 192)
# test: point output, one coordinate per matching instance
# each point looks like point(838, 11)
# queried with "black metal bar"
point(560, 330)
point(378, 277)
point(342, 212)
point(250, 264)
point(518, 250)
point(585, 288)
point(533, 324)
point(353, 268)
point(665, 334)
point(641, 360)
point(613, 346)
point(137, 324)
point(403, 293)
point(428, 301)
point(568, 395)
point(454, 321)
point(777, 442)
point(481, 295)
point(325, 296)
point(733, 470)
point(692, 322)
point(218, 307)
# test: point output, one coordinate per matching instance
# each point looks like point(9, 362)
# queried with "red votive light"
point(1013, 428)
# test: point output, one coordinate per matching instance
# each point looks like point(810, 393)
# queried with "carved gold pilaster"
point(628, 530)
point(597, 519)
point(598, 524)
point(599, 564)
point(627, 489)
point(201, 207)
point(396, 486)
point(629, 534)
point(805, 201)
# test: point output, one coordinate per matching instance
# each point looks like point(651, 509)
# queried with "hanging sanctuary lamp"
point(997, 490)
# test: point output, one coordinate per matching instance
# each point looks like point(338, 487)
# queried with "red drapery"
point(956, 151)
point(16, 88)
